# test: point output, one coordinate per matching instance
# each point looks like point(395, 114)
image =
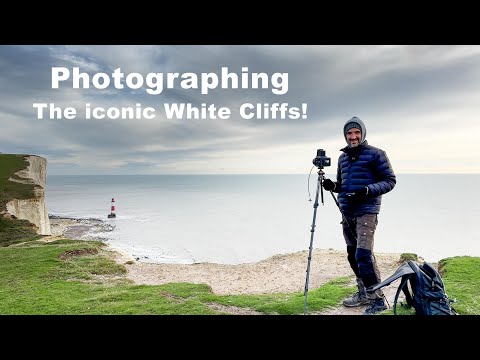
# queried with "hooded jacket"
point(361, 166)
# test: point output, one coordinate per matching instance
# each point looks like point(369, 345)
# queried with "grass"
point(13, 231)
point(326, 296)
point(76, 277)
point(461, 277)
point(408, 256)
point(10, 164)
point(16, 231)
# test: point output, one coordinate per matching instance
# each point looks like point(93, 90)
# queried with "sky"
point(420, 104)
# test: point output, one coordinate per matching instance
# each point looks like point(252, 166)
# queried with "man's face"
point(353, 137)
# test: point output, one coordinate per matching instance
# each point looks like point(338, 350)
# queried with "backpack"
point(427, 292)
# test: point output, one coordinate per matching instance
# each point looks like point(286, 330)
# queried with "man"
point(364, 174)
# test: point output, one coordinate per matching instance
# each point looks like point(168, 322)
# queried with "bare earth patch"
point(279, 273)
point(79, 252)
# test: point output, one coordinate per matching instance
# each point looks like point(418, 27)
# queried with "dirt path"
point(280, 273)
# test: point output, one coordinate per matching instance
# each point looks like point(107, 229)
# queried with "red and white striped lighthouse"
point(112, 211)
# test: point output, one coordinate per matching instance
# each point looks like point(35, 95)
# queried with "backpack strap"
point(403, 286)
point(403, 270)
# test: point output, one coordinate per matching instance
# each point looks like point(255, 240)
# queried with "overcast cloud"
point(420, 103)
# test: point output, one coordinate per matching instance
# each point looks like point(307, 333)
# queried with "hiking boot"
point(357, 299)
point(376, 306)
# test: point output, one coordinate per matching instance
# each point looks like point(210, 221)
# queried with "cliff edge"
point(33, 209)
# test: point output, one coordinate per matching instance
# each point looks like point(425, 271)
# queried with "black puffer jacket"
point(361, 166)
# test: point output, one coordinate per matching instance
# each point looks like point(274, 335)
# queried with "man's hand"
point(358, 195)
point(328, 185)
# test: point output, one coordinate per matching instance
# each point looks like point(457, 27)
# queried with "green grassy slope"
point(13, 230)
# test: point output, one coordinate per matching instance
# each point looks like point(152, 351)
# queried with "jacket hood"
point(355, 122)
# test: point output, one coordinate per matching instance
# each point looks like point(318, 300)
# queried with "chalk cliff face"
point(35, 209)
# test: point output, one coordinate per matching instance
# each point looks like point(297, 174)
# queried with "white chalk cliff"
point(34, 210)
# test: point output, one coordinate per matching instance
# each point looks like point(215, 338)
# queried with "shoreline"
point(324, 261)
point(79, 229)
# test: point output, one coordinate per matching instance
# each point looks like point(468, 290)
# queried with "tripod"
point(315, 206)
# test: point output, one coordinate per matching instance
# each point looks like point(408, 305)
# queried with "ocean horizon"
point(232, 219)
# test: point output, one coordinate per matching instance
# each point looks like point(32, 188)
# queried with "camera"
point(321, 160)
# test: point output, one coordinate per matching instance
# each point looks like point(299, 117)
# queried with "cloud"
point(411, 95)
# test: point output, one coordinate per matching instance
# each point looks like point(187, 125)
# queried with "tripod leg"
point(312, 231)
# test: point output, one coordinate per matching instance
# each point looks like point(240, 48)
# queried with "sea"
point(233, 219)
